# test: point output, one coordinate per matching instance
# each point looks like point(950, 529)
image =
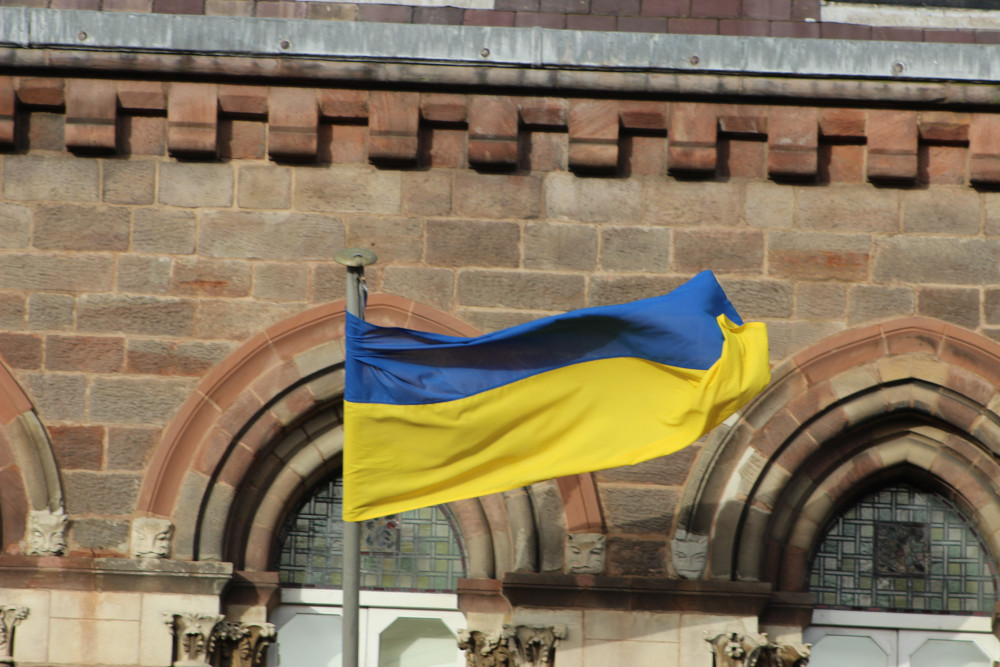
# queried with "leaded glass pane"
point(413, 551)
point(904, 550)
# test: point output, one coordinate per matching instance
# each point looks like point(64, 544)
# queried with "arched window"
point(902, 578)
point(410, 567)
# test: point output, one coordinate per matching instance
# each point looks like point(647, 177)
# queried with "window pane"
point(417, 642)
point(840, 650)
point(413, 551)
point(951, 652)
point(311, 640)
point(903, 549)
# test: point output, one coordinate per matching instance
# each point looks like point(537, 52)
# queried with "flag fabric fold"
point(430, 419)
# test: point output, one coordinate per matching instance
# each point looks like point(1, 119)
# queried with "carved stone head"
point(585, 553)
point(151, 537)
point(689, 553)
point(47, 532)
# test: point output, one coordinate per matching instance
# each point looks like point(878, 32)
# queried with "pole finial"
point(355, 257)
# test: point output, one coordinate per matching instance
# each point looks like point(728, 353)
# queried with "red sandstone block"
point(343, 104)
point(671, 8)
point(645, 155)
point(492, 131)
point(91, 111)
point(292, 123)
point(243, 100)
point(443, 107)
point(192, 118)
point(348, 143)
point(892, 145)
point(792, 140)
point(984, 146)
point(40, 91)
point(7, 102)
point(686, 26)
point(540, 20)
point(545, 112)
point(842, 163)
point(393, 125)
point(242, 139)
point(743, 119)
point(744, 159)
point(843, 123)
point(141, 96)
point(640, 115)
point(692, 136)
point(943, 126)
point(591, 22)
point(942, 164)
point(593, 134)
point(21, 351)
point(488, 17)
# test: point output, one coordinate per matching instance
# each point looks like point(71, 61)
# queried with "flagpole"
point(355, 259)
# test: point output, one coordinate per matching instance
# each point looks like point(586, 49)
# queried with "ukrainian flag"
point(431, 419)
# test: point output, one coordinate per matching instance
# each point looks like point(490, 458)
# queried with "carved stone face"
point(47, 533)
point(151, 537)
point(585, 553)
point(689, 552)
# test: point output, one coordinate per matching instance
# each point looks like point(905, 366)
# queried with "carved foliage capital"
point(534, 645)
point(10, 617)
point(733, 649)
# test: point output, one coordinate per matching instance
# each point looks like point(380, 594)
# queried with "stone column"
point(10, 617)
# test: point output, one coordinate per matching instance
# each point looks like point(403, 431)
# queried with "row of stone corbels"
point(208, 640)
point(46, 535)
point(293, 115)
point(520, 645)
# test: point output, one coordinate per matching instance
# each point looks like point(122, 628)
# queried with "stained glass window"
point(414, 551)
point(901, 549)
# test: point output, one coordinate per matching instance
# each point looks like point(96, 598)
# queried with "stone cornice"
point(115, 574)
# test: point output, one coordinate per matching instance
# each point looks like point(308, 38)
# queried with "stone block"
point(444, 147)
point(942, 210)
point(848, 208)
point(143, 274)
point(642, 557)
point(555, 247)
point(292, 123)
point(87, 641)
point(52, 312)
point(40, 91)
point(444, 107)
point(691, 137)
point(955, 305)
point(128, 182)
point(100, 536)
point(535, 290)
point(141, 96)
point(143, 135)
point(129, 448)
point(892, 145)
point(461, 243)
point(568, 197)
point(427, 192)
point(593, 135)
point(58, 397)
point(347, 188)
point(264, 187)
point(209, 277)
point(843, 124)
point(193, 119)
point(945, 165)
point(792, 141)
point(343, 104)
point(819, 256)
point(86, 354)
point(478, 195)
point(641, 249)
point(925, 259)
point(195, 185)
point(671, 470)
point(45, 131)
point(947, 126)
point(820, 301)
point(66, 273)
point(91, 111)
point(879, 302)
point(687, 203)
point(643, 115)
point(769, 205)
point(70, 227)
point(21, 351)
point(239, 320)
point(15, 226)
point(549, 151)
point(493, 129)
point(984, 149)
point(398, 239)
point(643, 155)
point(757, 299)
point(133, 314)
point(13, 311)
point(160, 357)
point(78, 447)
point(269, 235)
point(841, 163)
point(549, 112)
point(394, 119)
point(607, 290)
point(122, 400)
point(724, 250)
point(7, 105)
point(431, 286)
point(50, 178)
point(280, 282)
point(242, 139)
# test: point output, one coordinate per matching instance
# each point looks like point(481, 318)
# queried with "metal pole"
point(355, 259)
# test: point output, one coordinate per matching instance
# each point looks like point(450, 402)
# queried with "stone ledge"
point(115, 574)
point(636, 593)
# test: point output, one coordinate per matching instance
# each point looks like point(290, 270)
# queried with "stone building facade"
point(175, 178)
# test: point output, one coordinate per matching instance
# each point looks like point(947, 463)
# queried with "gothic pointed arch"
point(29, 476)
point(265, 426)
point(910, 400)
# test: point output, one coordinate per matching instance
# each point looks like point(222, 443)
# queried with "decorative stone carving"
point(151, 537)
point(10, 617)
point(534, 645)
point(689, 553)
point(47, 532)
point(194, 638)
point(585, 553)
point(732, 649)
point(484, 650)
point(242, 644)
